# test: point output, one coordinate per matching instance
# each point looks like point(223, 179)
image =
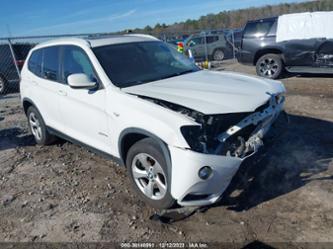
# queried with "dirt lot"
point(65, 193)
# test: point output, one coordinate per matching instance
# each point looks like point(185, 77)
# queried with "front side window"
point(76, 61)
point(50, 68)
point(195, 41)
point(137, 63)
point(35, 62)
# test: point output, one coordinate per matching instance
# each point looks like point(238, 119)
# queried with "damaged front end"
point(234, 134)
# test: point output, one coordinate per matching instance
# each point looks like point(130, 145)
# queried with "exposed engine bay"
point(233, 134)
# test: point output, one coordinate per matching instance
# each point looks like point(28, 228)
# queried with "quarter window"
point(76, 61)
point(51, 63)
point(272, 31)
point(35, 62)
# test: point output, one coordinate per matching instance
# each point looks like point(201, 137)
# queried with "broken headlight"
point(194, 138)
point(279, 98)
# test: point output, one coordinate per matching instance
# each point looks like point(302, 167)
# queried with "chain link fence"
point(213, 45)
point(12, 56)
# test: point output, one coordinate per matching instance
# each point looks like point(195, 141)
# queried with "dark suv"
point(9, 76)
point(271, 58)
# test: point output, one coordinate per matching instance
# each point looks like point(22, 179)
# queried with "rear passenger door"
point(43, 84)
point(83, 110)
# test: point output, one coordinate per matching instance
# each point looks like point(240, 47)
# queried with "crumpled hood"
point(211, 92)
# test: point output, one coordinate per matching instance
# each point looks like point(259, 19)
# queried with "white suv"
point(182, 132)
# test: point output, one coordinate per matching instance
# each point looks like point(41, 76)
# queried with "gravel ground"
point(63, 192)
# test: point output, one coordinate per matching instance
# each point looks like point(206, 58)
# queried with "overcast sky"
point(39, 17)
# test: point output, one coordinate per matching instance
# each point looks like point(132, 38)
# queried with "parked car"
point(216, 47)
point(182, 132)
point(308, 53)
point(9, 77)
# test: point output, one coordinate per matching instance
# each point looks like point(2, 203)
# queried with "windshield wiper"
point(177, 74)
point(159, 78)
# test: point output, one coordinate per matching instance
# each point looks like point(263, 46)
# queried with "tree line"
point(235, 18)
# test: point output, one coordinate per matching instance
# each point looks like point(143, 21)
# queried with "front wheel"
point(148, 171)
point(270, 66)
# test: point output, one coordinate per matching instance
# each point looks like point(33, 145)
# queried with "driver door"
point(83, 110)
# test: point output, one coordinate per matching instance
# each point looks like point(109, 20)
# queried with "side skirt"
point(311, 70)
point(92, 149)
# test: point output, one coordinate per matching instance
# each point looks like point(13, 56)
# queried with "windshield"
point(130, 64)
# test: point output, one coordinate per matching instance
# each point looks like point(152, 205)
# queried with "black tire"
point(3, 86)
point(270, 66)
point(218, 55)
point(155, 156)
point(44, 137)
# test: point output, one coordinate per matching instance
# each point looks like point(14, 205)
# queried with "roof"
point(98, 42)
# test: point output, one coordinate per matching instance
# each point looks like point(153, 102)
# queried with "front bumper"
point(186, 185)
point(185, 181)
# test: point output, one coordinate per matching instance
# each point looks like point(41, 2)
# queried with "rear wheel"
point(270, 66)
point(38, 127)
point(3, 86)
point(218, 55)
point(148, 172)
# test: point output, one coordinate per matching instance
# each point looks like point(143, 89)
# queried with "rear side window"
point(50, 69)
point(211, 39)
point(258, 29)
point(35, 63)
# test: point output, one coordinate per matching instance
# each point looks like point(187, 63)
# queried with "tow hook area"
point(250, 146)
point(170, 216)
point(261, 123)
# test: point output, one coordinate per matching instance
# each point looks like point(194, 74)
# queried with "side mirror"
point(80, 80)
point(190, 44)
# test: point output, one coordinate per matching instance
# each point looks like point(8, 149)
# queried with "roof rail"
point(143, 35)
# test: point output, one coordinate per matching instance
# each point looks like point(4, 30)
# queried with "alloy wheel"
point(149, 176)
point(268, 67)
point(35, 126)
point(218, 55)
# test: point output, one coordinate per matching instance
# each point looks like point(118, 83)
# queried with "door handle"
point(62, 93)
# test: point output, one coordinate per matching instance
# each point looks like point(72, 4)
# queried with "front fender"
point(142, 115)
